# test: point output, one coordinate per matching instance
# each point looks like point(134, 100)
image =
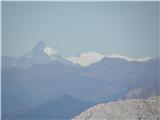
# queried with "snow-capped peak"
point(86, 59)
point(130, 59)
point(42, 48)
point(49, 51)
point(39, 47)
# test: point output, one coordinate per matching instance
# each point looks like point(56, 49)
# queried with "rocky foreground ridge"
point(135, 109)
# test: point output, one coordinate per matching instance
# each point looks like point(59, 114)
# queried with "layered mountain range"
point(42, 54)
point(32, 80)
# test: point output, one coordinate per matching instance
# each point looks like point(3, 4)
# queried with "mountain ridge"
point(109, 79)
point(43, 53)
point(62, 107)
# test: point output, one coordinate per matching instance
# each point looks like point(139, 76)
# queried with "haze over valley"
point(44, 84)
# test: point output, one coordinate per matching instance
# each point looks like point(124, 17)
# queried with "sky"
point(129, 28)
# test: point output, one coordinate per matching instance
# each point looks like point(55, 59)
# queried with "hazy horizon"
point(129, 28)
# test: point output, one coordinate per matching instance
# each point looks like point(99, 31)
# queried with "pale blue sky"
point(129, 28)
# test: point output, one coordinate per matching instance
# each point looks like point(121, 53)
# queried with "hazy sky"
point(130, 28)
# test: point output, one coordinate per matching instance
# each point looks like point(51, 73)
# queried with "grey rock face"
point(141, 93)
point(144, 109)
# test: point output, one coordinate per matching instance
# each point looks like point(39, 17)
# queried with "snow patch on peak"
point(49, 51)
point(86, 59)
point(89, 54)
point(130, 59)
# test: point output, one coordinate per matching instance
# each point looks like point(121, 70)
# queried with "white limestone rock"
point(135, 109)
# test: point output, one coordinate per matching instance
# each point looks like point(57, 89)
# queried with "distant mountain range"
point(42, 54)
point(30, 81)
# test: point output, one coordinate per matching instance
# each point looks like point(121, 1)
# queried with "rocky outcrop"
point(135, 109)
point(141, 93)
